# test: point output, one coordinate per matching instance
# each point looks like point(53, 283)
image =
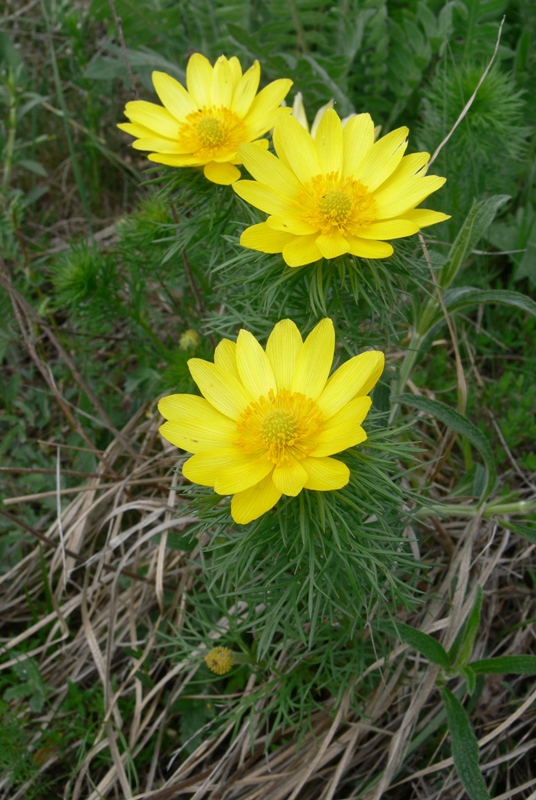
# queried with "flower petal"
point(298, 148)
point(343, 430)
point(325, 474)
point(253, 365)
point(242, 474)
point(175, 161)
point(268, 170)
point(333, 245)
point(225, 358)
point(290, 478)
point(291, 223)
point(154, 117)
point(139, 131)
point(173, 95)
point(424, 217)
point(244, 93)
point(328, 141)
point(283, 347)
point(196, 434)
point(301, 250)
point(158, 145)
point(355, 378)
point(199, 80)
point(395, 199)
point(222, 173)
point(388, 229)
point(204, 468)
point(265, 198)
point(368, 248)
point(265, 110)
point(383, 158)
point(358, 138)
point(220, 389)
point(263, 238)
point(253, 503)
point(314, 360)
point(222, 83)
point(236, 71)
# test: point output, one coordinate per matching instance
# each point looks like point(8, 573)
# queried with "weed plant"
point(381, 635)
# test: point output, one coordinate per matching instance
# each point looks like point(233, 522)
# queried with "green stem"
point(12, 127)
point(488, 511)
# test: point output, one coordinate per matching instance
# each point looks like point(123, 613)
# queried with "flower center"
point(211, 131)
point(279, 426)
point(333, 204)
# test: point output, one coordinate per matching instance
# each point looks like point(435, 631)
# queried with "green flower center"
point(210, 131)
point(335, 205)
point(278, 427)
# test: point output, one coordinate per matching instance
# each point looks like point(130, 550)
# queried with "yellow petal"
point(199, 80)
point(222, 83)
point(268, 170)
point(265, 198)
point(298, 148)
point(261, 237)
point(328, 142)
point(314, 360)
point(383, 158)
point(355, 378)
point(283, 348)
point(368, 248)
point(411, 165)
point(236, 71)
point(154, 117)
point(225, 358)
point(424, 217)
point(139, 131)
point(253, 503)
point(301, 250)
point(254, 366)
point(325, 474)
point(208, 431)
point(220, 389)
point(343, 430)
point(333, 245)
point(244, 93)
point(398, 198)
point(225, 174)
point(388, 229)
point(175, 161)
point(264, 110)
point(358, 138)
point(158, 145)
point(242, 474)
point(173, 95)
point(291, 223)
point(205, 468)
point(290, 478)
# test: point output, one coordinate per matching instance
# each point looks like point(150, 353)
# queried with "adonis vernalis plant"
point(270, 420)
point(203, 125)
point(336, 192)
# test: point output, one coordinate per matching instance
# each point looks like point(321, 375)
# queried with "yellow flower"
point(337, 192)
point(189, 340)
point(269, 421)
point(219, 660)
point(204, 126)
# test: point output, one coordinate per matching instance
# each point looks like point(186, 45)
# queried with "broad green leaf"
point(470, 630)
point(426, 645)
point(477, 222)
point(464, 747)
point(504, 665)
point(470, 678)
point(461, 425)
point(527, 531)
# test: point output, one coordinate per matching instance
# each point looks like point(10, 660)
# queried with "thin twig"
point(119, 26)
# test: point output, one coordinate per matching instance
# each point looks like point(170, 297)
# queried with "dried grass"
point(107, 572)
